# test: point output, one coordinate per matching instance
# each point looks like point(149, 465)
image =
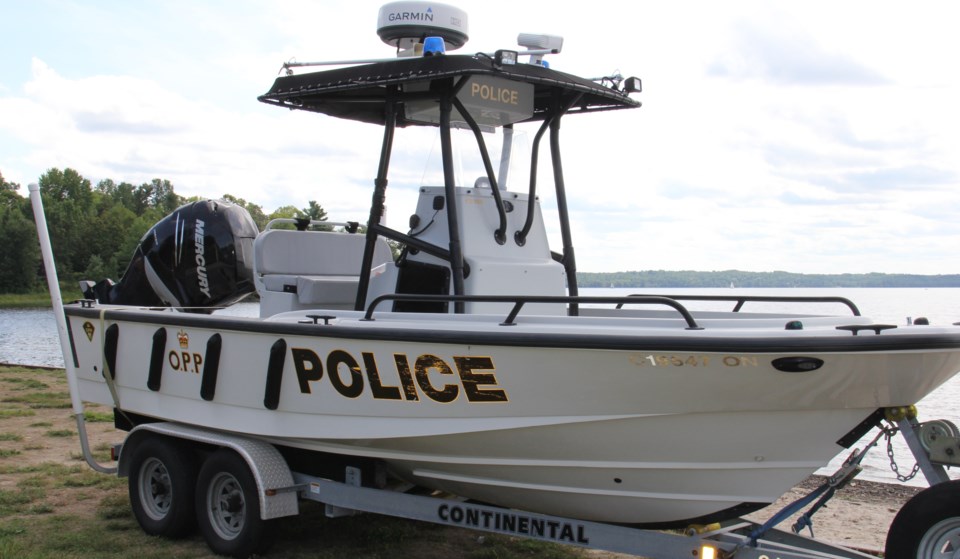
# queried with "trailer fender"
point(269, 469)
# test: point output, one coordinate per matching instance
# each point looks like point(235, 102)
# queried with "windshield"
point(509, 152)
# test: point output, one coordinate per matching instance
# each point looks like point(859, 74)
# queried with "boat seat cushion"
point(320, 267)
point(310, 253)
point(327, 289)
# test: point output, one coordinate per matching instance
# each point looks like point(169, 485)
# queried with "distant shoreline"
point(738, 278)
point(682, 279)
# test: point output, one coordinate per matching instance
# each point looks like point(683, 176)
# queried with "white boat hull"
point(620, 435)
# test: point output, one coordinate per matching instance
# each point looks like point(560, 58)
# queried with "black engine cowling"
point(199, 256)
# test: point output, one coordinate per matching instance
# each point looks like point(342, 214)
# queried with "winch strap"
point(805, 520)
point(827, 490)
point(107, 373)
point(785, 513)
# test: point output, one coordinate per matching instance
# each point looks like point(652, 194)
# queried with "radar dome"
point(404, 24)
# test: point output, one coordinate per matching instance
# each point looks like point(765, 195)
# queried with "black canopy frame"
point(377, 93)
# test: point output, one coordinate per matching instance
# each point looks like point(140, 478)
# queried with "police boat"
point(463, 358)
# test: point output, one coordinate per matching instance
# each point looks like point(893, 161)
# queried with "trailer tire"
point(228, 507)
point(928, 526)
point(162, 478)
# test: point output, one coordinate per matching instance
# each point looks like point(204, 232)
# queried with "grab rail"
point(348, 226)
point(520, 300)
point(741, 299)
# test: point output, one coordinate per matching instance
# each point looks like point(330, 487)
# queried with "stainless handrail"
point(741, 299)
point(520, 300)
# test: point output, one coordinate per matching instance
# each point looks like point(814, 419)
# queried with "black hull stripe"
point(271, 394)
point(156, 359)
point(73, 346)
point(211, 368)
point(110, 344)
point(510, 337)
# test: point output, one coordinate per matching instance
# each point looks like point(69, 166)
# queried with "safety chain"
point(889, 433)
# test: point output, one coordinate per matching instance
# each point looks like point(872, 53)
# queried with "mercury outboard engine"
point(201, 255)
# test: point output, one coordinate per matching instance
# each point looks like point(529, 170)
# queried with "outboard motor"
point(199, 256)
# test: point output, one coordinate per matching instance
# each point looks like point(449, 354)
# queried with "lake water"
point(29, 337)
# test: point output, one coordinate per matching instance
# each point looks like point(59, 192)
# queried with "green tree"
point(161, 196)
point(157, 197)
point(8, 193)
point(123, 194)
point(256, 212)
point(69, 205)
point(115, 224)
point(284, 212)
point(20, 257)
point(314, 211)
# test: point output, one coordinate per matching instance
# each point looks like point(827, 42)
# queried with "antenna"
point(539, 45)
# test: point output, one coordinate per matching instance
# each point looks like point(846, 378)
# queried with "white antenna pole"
point(53, 285)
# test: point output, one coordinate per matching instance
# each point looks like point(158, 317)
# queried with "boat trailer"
point(278, 490)
point(271, 489)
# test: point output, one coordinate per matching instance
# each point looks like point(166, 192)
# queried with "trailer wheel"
point(228, 507)
point(928, 526)
point(161, 485)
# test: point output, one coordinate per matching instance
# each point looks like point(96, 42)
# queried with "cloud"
point(912, 179)
point(795, 199)
point(814, 136)
point(786, 56)
point(134, 129)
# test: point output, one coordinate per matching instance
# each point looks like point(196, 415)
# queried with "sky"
point(804, 136)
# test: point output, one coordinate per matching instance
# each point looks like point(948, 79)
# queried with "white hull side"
point(643, 469)
point(686, 433)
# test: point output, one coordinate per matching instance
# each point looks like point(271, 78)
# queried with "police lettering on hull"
point(408, 379)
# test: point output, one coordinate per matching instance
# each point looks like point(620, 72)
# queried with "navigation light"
point(433, 45)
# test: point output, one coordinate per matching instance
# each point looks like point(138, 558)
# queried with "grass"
point(102, 526)
point(93, 416)
point(63, 509)
point(60, 433)
point(68, 290)
point(16, 413)
point(39, 400)
point(24, 383)
point(16, 500)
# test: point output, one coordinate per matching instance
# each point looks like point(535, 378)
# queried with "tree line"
point(738, 278)
point(94, 230)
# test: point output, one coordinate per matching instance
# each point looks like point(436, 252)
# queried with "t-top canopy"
point(362, 92)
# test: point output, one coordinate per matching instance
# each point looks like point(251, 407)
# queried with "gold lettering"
point(406, 379)
point(423, 366)
point(472, 380)
point(308, 367)
point(741, 361)
point(339, 357)
point(503, 95)
point(380, 391)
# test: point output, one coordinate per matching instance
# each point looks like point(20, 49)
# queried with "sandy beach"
point(858, 516)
